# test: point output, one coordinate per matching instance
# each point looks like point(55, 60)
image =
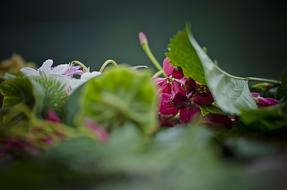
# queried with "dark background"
point(247, 38)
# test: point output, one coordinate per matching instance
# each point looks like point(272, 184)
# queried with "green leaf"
point(72, 106)
point(50, 94)
point(265, 119)
point(120, 96)
point(284, 78)
point(182, 54)
point(230, 93)
point(282, 90)
point(177, 158)
point(17, 93)
point(39, 93)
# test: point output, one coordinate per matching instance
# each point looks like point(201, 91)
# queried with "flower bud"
point(142, 38)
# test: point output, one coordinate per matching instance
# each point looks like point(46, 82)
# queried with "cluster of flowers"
point(65, 73)
point(181, 99)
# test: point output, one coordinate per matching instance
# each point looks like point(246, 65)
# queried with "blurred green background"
point(246, 37)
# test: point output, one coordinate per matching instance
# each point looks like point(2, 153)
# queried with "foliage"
point(230, 93)
point(266, 119)
point(175, 159)
point(65, 127)
point(120, 96)
point(50, 94)
point(17, 93)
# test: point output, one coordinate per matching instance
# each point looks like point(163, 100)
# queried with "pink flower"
point(263, 102)
point(167, 107)
point(53, 117)
point(202, 96)
point(171, 71)
point(180, 95)
point(74, 70)
point(11, 146)
point(142, 38)
point(100, 132)
point(219, 120)
point(174, 81)
point(188, 113)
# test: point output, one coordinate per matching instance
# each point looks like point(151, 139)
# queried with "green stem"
point(157, 74)
point(138, 67)
point(150, 55)
point(106, 63)
point(263, 80)
point(249, 78)
point(85, 68)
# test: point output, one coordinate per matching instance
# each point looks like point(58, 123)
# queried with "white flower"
point(63, 73)
point(46, 68)
point(75, 83)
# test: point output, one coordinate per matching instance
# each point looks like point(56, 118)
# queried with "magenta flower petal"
point(101, 133)
point(47, 140)
point(177, 88)
point(203, 98)
point(166, 121)
point(261, 101)
point(266, 101)
point(219, 120)
point(177, 73)
point(190, 86)
point(162, 84)
point(11, 146)
point(188, 114)
point(53, 117)
point(166, 105)
point(167, 67)
point(74, 70)
point(170, 70)
point(255, 94)
point(180, 100)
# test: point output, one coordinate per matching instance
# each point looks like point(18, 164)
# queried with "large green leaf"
point(265, 120)
point(18, 98)
point(120, 96)
point(182, 54)
point(177, 158)
point(50, 94)
point(40, 94)
point(72, 106)
point(15, 91)
point(230, 93)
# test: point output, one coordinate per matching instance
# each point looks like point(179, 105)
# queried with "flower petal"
point(176, 88)
point(255, 94)
point(167, 67)
point(180, 100)
point(101, 133)
point(53, 117)
point(166, 121)
point(163, 85)
point(190, 86)
point(266, 101)
point(74, 70)
point(219, 120)
point(60, 69)
point(29, 71)
point(177, 73)
point(203, 98)
point(166, 106)
point(88, 75)
point(47, 66)
point(188, 114)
